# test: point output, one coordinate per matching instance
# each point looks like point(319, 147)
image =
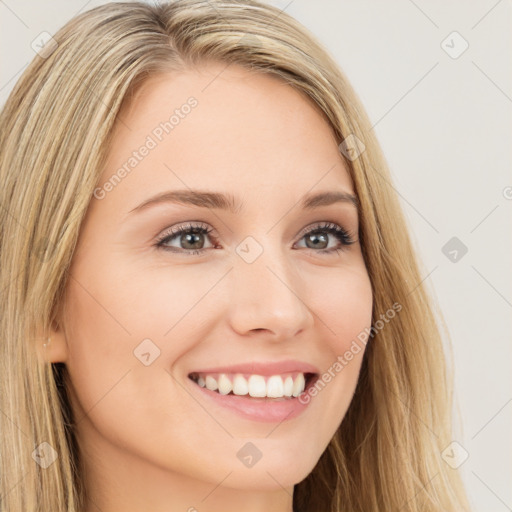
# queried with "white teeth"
point(240, 386)
point(211, 383)
point(257, 386)
point(274, 387)
point(298, 385)
point(288, 386)
point(225, 385)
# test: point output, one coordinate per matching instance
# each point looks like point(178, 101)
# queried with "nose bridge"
point(265, 289)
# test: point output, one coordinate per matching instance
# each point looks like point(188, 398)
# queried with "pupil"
point(314, 238)
point(189, 240)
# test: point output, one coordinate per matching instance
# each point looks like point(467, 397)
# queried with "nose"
point(267, 296)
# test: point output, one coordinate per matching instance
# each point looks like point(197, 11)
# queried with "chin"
point(271, 476)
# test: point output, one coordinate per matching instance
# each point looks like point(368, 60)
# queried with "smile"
point(255, 397)
point(256, 386)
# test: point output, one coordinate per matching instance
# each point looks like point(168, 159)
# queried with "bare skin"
point(150, 440)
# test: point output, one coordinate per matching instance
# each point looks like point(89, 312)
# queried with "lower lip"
point(270, 410)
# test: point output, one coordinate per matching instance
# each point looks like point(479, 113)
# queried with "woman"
point(209, 297)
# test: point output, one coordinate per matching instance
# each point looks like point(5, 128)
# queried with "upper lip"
point(268, 368)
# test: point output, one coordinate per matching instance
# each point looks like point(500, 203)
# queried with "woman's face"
point(247, 286)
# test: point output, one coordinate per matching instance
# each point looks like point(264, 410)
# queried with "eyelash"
point(340, 233)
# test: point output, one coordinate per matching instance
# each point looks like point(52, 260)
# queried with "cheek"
point(116, 304)
point(343, 303)
point(126, 330)
point(132, 404)
point(344, 307)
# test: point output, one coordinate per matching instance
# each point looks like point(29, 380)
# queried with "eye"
point(191, 238)
point(316, 238)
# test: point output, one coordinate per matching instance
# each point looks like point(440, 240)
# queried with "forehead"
point(223, 127)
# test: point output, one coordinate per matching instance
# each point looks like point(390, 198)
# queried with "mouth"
point(280, 387)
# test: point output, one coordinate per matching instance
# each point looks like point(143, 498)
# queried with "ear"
point(53, 347)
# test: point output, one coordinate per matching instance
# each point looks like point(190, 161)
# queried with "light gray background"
point(445, 127)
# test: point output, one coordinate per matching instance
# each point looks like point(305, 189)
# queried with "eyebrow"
point(217, 200)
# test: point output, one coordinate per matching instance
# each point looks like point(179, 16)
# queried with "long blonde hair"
point(55, 132)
